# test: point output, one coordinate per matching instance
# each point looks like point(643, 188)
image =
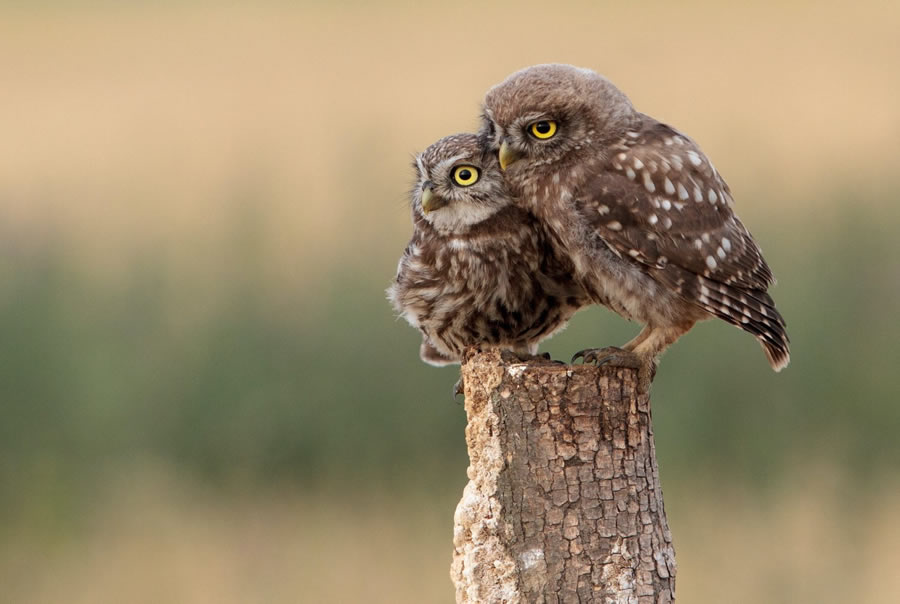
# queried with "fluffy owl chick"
point(635, 204)
point(478, 270)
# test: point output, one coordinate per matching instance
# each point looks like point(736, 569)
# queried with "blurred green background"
point(204, 396)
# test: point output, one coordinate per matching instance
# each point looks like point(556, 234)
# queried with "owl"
point(479, 270)
point(635, 205)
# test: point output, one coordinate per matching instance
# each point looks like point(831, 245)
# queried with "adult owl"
point(637, 207)
point(479, 269)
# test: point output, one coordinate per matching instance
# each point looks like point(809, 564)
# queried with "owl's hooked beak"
point(430, 201)
point(507, 156)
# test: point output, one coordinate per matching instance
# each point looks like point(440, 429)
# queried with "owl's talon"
point(458, 388)
point(610, 355)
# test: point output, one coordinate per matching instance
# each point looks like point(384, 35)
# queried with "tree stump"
point(563, 502)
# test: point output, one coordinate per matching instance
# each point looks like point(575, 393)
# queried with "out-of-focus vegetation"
point(205, 397)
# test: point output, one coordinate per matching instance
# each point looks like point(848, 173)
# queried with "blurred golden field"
point(204, 395)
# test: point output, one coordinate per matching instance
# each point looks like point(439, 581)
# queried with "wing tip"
point(779, 356)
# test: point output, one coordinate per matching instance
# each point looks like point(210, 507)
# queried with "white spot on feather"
point(653, 219)
point(726, 244)
point(682, 192)
point(648, 184)
point(710, 262)
point(695, 159)
point(666, 204)
point(615, 225)
point(712, 196)
point(670, 188)
point(630, 173)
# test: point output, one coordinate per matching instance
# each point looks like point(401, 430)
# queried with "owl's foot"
point(619, 357)
point(610, 355)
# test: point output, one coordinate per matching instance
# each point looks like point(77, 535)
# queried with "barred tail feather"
point(779, 355)
point(753, 310)
point(772, 335)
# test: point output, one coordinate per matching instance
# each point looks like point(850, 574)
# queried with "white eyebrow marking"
point(447, 164)
point(421, 166)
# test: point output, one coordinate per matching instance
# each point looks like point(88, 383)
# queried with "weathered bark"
point(563, 502)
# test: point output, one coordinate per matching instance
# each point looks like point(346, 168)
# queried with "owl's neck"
point(460, 219)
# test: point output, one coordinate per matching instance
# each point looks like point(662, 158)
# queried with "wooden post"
point(563, 502)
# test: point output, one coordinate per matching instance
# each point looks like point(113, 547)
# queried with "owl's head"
point(542, 114)
point(458, 184)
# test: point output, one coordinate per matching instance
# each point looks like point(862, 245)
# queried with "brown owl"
point(479, 269)
point(636, 206)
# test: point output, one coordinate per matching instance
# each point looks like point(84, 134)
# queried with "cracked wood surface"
point(563, 502)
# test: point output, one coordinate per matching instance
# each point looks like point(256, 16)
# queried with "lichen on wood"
point(563, 502)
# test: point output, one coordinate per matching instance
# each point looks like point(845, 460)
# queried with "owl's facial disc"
point(430, 201)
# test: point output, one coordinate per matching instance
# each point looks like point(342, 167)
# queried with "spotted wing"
point(659, 202)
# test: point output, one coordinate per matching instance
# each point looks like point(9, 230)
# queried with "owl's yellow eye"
point(465, 176)
point(543, 129)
